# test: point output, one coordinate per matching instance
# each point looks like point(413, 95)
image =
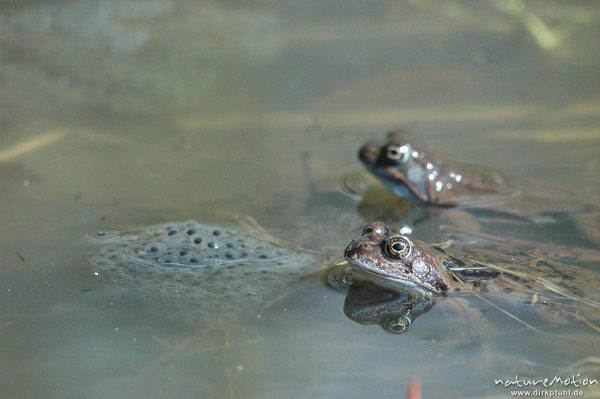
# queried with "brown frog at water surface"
point(411, 266)
point(399, 262)
point(413, 172)
point(431, 273)
point(391, 279)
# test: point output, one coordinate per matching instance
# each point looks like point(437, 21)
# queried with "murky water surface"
point(118, 115)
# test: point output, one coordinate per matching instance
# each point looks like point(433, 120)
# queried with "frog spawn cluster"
point(198, 269)
point(188, 246)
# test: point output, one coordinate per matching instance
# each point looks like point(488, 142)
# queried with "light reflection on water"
point(121, 114)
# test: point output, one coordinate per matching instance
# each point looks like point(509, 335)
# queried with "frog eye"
point(398, 247)
point(400, 325)
point(378, 228)
point(400, 153)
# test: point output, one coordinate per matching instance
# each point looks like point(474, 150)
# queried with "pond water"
point(116, 115)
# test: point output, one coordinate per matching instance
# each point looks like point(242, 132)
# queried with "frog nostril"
point(351, 251)
point(348, 252)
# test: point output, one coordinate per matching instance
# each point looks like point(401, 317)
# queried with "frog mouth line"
point(367, 266)
point(399, 185)
point(406, 285)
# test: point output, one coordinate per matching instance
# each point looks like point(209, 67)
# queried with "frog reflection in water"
point(394, 311)
point(423, 275)
point(416, 174)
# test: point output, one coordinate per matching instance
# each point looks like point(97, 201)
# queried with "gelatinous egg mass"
point(205, 271)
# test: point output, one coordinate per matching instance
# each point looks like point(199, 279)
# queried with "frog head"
point(393, 161)
point(398, 262)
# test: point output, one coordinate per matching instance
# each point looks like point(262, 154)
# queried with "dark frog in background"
point(419, 175)
point(423, 275)
point(413, 172)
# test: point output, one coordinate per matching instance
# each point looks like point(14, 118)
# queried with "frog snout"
point(369, 153)
point(356, 250)
point(351, 251)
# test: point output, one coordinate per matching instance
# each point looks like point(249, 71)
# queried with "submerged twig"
point(545, 283)
point(178, 348)
point(584, 321)
point(162, 341)
point(7, 324)
point(32, 144)
point(298, 287)
point(512, 316)
point(228, 377)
